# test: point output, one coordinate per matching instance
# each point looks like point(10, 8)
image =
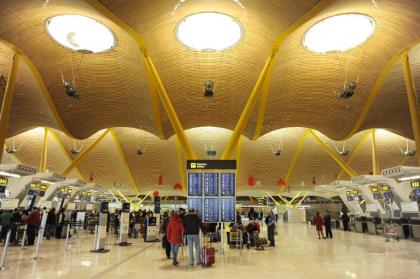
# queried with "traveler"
point(5, 221)
point(346, 220)
point(271, 228)
point(238, 219)
point(60, 223)
point(318, 225)
point(327, 224)
point(163, 229)
point(16, 220)
point(33, 221)
point(192, 225)
point(51, 222)
point(174, 234)
point(252, 232)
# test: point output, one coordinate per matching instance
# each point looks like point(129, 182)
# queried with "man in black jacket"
point(192, 225)
point(51, 221)
point(327, 224)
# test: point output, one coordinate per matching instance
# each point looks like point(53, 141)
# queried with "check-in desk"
point(374, 225)
point(414, 225)
point(402, 226)
point(361, 224)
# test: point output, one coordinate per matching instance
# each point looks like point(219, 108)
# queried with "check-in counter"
point(414, 225)
point(361, 224)
point(401, 224)
point(374, 225)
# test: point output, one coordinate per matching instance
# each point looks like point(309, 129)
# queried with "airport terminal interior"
point(209, 139)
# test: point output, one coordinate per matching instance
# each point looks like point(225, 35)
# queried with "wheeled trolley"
point(391, 232)
point(236, 239)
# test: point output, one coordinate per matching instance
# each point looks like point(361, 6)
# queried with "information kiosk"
point(212, 191)
point(124, 224)
point(100, 235)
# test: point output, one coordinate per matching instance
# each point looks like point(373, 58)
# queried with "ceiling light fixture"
point(80, 33)
point(8, 174)
point(339, 33)
point(209, 31)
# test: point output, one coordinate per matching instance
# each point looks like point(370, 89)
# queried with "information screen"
point(350, 198)
point(348, 193)
point(415, 184)
point(417, 192)
point(195, 184)
point(3, 181)
point(227, 184)
point(357, 198)
point(377, 196)
point(228, 213)
point(197, 204)
point(211, 184)
point(388, 195)
point(374, 189)
point(211, 210)
point(385, 188)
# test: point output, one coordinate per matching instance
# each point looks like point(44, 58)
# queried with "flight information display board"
point(228, 209)
point(195, 184)
point(211, 184)
point(197, 204)
point(416, 192)
point(349, 198)
point(415, 184)
point(388, 195)
point(227, 184)
point(211, 210)
point(377, 196)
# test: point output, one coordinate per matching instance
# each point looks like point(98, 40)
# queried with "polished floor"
point(299, 254)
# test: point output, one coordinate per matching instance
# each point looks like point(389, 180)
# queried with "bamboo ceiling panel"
point(184, 71)
point(113, 84)
point(303, 82)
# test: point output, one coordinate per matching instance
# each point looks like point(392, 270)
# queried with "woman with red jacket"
point(318, 224)
point(174, 234)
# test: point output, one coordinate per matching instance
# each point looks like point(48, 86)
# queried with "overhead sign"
point(3, 181)
point(415, 184)
point(211, 164)
point(9, 203)
point(386, 188)
point(409, 207)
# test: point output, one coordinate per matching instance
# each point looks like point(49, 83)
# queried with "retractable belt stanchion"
point(67, 237)
point(22, 245)
point(124, 225)
point(101, 231)
point(222, 238)
point(94, 238)
point(40, 236)
point(3, 256)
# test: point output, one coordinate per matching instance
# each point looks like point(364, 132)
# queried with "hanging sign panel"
point(195, 184)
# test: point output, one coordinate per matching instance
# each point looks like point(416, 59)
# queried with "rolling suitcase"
point(209, 255)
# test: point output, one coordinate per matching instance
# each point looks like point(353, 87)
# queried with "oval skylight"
point(339, 33)
point(80, 33)
point(209, 31)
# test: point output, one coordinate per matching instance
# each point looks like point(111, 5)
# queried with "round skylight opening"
point(209, 31)
point(339, 33)
point(80, 33)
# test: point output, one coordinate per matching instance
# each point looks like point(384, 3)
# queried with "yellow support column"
point(181, 164)
point(263, 103)
point(412, 101)
point(301, 200)
point(43, 165)
point(8, 100)
point(82, 155)
point(375, 161)
point(334, 155)
point(296, 156)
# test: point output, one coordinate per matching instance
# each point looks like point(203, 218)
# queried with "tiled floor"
point(299, 254)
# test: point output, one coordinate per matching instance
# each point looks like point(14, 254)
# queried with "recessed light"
point(209, 31)
point(80, 33)
point(339, 33)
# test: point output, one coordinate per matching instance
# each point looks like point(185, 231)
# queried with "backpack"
point(266, 220)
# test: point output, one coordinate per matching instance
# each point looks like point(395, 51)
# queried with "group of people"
point(10, 220)
point(319, 222)
point(174, 227)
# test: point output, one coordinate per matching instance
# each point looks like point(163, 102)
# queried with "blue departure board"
point(349, 198)
point(357, 198)
point(227, 184)
point(211, 184)
point(377, 196)
point(197, 204)
point(195, 184)
point(228, 210)
point(388, 195)
point(416, 192)
point(211, 210)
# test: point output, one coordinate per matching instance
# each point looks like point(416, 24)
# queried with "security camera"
point(410, 153)
point(344, 152)
point(208, 88)
point(74, 150)
point(277, 152)
point(71, 90)
point(348, 90)
point(139, 150)
point(11, 150)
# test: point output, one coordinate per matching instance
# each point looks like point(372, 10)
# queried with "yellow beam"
point(61, 145)
point(115, 197)
point(121, 194)
point(301, 200)
point(334, 155)
point(181, 164)
point(412, 100)
point(263, 103)
point(41, 85)
point(286, 202)
point(355, 150)
point(173, 118)
point(123, 159)
point(142, 200)
point(375, 161)
point(155, 104)
point(82, 155)
point(295, 197)
point(271, 197)
point(296, 156)
point(43, 165)
point(238, 151)
point(8, 100)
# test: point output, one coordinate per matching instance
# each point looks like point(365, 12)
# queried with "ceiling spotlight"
point(339, 33)
point(348, 90)
point(208, 88)
point(80, 33)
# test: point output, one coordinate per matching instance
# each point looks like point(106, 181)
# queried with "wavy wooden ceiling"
point(115, 91)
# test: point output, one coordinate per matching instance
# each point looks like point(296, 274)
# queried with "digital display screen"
point(31, 192)
point(385, 188)
point(211, 210)
point(3, 181)
point(349, 198)
point(388, 195)
point(357, 198)
point(416, 192)
point(41, 193)
point(195, 184)
point(348, 193)
point(227, 184)
point(197, 204)
point(355, 192)
point(104, 207)
point(374, 189)
point(415, 184)
point(211, 184)
point(2, 189)
point(228, 210)
point(377, 196)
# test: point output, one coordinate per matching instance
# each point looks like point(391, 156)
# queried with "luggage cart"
point(236, 239)
point(391, 232)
